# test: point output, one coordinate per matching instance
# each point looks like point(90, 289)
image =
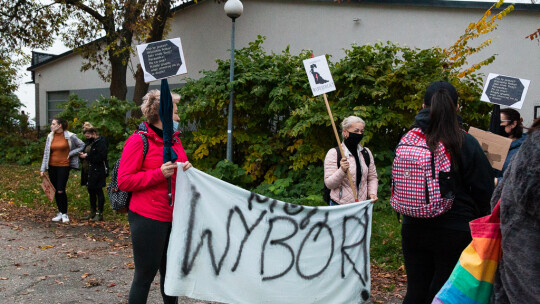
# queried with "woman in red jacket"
point(150, 215)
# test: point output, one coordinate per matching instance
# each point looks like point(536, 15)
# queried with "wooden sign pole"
point(339, 145)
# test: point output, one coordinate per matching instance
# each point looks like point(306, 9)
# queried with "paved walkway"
point(46, 262)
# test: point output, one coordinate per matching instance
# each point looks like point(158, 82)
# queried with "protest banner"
point(495, 146)
point(505, 90)
point(162, 59)
point(321, 82)
point(48, 187)
point(234, 246)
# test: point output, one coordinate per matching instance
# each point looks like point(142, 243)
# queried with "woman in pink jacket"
point(149, 215)
point(355, 161)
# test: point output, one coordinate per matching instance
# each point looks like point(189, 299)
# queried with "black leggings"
point(430, 254)
point(150, 240)
point(59, 177)
point(96, 194)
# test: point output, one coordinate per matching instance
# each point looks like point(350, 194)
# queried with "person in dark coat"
point(516, 280)
point(94, 170)
point(432, 246)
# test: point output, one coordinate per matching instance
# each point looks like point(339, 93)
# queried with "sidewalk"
point(80, 262)
point(75, 263)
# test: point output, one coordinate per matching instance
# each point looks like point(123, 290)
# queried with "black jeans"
point(59, 177)
point(150, 240)
point(430, 254)
point(96, 194)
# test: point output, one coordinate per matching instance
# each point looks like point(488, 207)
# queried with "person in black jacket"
point(94, 170)
point(432, 246)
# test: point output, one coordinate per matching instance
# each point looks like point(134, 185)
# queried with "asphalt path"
point(79, 262)
point(75, 263)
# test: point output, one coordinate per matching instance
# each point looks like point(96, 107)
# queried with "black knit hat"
point(438, 86)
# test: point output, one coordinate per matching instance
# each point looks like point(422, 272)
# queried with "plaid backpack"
point(120, 199)
point(422, 181)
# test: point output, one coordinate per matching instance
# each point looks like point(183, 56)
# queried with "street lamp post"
point(233, 9)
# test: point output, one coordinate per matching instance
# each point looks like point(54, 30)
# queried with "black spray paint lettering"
point(364, 221)
point(280, 242)
point(187, 263)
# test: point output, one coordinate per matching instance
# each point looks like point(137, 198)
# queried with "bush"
point(282, 132)
point(107, 115)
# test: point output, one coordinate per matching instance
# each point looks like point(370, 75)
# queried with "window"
point(54, 99)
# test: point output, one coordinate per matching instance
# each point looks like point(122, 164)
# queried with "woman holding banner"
point(150, 215)
point(358, 161)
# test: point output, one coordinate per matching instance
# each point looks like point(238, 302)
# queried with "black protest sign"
point(161, 59)
point(505, 90)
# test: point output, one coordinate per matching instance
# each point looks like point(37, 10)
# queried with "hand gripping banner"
point(234, 246)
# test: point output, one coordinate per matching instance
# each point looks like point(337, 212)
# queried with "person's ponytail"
point(444, 125)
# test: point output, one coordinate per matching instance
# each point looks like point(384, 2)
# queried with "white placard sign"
point(233, 246)
point(505, 90)
point(320, 78)
point(162, 59)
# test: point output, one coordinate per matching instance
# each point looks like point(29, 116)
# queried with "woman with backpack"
point(94, 170)
point(60, 155)
point(149, 214)
point(456, 189)
point(358, 161)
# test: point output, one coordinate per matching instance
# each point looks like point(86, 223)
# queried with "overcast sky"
point(26, 92)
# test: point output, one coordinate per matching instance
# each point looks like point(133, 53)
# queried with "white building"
point(325, 27)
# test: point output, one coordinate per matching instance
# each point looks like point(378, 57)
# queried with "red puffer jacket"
point(144, 179)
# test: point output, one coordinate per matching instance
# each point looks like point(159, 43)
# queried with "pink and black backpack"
point(422, 180)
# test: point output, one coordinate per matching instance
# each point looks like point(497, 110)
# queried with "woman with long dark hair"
point(432, 246)
point(60, 155)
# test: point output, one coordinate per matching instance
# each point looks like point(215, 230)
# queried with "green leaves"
point(282, 132)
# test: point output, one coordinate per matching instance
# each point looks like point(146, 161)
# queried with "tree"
point(102, 32)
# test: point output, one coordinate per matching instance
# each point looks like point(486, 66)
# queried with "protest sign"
point(505, 90)
point(320, 78)
point(495, 146)
point(162, 59)
point(47, 187)
point(234, 246)
point(321, 82)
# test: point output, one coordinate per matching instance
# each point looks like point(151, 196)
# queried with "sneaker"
point(65, 218)
point(57, 218)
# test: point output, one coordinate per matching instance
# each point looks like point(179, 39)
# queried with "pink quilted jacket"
point(336, 180)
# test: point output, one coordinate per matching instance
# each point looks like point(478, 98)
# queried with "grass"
point(21, 185)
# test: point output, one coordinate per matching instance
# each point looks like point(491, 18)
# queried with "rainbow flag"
point(471, 281)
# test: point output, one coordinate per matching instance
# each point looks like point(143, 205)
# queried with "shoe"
point(89, 216)
point(65, 218)
point(57, 218)
point(98, 217)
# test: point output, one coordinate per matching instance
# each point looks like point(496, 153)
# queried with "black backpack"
point(326, 190)
point(120, 199)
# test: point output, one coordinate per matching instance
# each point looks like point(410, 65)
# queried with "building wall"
point(327, 27)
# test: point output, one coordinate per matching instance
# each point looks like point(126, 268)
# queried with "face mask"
point(353, 139)
point(502, 131)
point(175, 126)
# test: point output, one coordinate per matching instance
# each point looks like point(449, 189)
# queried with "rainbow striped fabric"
point(471, 281)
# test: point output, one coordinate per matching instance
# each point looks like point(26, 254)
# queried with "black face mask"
point(353, 140)
point(502, 131)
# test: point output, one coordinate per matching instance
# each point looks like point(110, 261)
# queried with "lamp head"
point(234, 8)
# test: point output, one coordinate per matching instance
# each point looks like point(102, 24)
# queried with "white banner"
point(234, 246)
